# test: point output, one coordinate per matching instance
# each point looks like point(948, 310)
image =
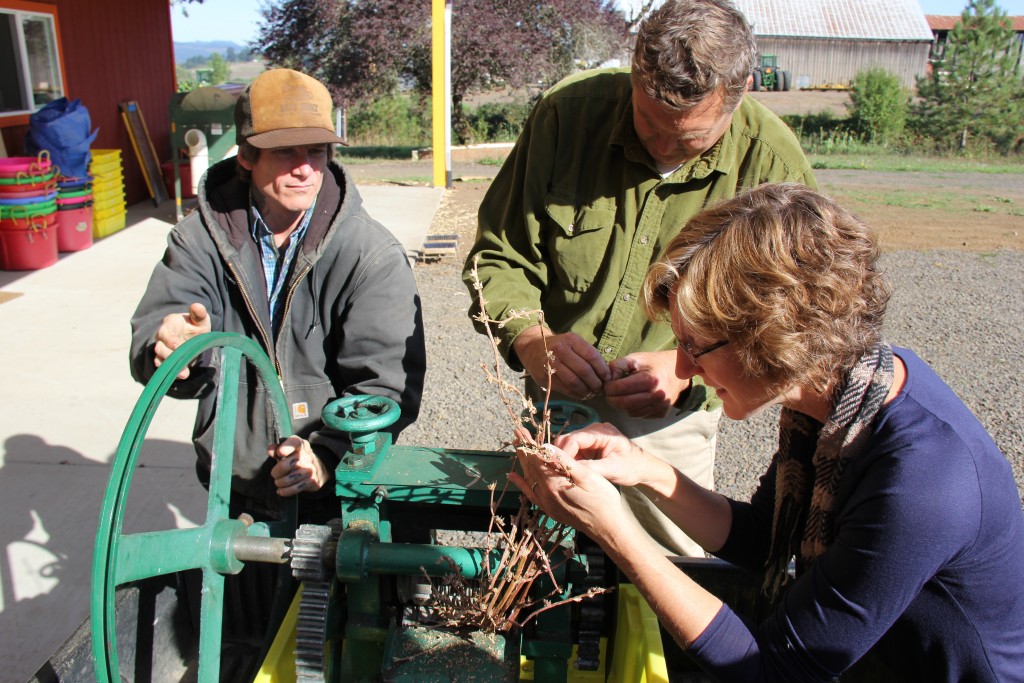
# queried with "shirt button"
point(626, 297)
point(572, 226)
point(643, 240)
point(607, 349)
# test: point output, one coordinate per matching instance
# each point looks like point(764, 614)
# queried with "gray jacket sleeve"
point(186, 274)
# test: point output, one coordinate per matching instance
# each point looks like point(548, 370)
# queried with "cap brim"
point(290, 137)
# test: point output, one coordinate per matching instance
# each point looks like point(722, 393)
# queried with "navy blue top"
point(927, 566)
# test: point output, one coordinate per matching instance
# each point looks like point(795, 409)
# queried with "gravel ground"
point(961, 312)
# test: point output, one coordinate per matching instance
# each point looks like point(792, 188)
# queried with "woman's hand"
point(609, 453)
point(583, 500)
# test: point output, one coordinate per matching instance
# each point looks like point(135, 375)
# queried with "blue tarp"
point(62, 129)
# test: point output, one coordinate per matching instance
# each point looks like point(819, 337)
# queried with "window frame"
point(21, 9)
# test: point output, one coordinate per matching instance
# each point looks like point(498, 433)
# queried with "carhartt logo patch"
point(300, 411)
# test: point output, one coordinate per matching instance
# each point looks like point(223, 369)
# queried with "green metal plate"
point(429, 475)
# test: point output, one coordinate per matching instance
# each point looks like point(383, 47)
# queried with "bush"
point(813, 126)
point(498, 121)
point(837, 142)
point(400, 120)
point(392, 120)
point(375, 152)
point(879, 106)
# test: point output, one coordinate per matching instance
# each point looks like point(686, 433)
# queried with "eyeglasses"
point(692, 354)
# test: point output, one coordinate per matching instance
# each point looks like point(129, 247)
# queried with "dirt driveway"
point(919, 211)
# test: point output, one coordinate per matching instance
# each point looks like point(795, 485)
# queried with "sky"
point(237, 20)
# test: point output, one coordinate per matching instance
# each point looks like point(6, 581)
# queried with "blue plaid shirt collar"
point(275, 264)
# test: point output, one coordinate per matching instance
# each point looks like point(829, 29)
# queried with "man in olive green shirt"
point(610, 166)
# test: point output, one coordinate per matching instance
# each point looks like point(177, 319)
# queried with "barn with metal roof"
point(827, 42)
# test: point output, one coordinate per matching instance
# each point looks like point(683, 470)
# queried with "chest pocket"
point(578, 241)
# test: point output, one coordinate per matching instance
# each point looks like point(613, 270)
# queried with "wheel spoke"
point(211, 621)
point(143, 555)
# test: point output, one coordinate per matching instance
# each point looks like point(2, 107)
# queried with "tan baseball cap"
point(283, 108)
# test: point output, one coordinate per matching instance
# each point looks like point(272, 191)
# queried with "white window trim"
point(21, 10)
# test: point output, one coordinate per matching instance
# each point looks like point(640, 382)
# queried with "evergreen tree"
point(975, 90)
point(220, 69)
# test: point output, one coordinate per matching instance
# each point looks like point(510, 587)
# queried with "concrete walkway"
point(66, 396)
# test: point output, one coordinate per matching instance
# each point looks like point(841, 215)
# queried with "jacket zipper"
point(288, 300)
point(255, 316)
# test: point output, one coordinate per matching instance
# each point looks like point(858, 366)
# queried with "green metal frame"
point(377, 474)
point(372, 476)
point(120, 558)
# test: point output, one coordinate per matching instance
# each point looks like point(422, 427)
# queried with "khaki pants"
point(687, 442)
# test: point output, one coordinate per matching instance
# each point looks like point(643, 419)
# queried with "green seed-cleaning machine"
point(168, 606)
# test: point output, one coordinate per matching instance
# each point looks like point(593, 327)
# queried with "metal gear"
point(312, 557)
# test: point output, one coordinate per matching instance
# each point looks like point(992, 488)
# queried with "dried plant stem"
point(529, 540)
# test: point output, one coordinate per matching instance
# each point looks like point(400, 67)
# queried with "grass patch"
point(915, 200)
point(374, 153)
point(897, 162)
point(923, 200)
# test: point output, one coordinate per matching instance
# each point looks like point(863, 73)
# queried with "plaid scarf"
point(810, 463)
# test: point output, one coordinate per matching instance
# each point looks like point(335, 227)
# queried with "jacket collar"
point(225, 199)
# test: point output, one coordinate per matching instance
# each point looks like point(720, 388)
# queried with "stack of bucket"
point(74, 213)
point(28, 212)
point(109, 210)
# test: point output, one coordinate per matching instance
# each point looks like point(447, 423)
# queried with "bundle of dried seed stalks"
point(530, 544)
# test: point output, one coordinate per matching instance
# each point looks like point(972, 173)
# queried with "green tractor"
point(768, 76)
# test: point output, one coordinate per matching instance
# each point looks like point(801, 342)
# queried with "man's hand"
point(178, 328)
point(644, 384)
point(579, 371)
point(297, 469)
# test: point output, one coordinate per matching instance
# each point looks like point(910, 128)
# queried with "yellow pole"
point(441, 21)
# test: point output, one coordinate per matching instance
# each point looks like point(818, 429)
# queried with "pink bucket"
point(74, 228)
point(19, 167)
point(31, 247)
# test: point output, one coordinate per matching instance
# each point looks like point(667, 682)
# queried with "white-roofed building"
point(827, 42)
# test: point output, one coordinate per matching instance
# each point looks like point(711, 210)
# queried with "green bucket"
point(28, 210)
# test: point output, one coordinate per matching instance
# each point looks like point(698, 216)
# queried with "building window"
point(30, 61)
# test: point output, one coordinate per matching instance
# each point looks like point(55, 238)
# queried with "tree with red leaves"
point(363, 49)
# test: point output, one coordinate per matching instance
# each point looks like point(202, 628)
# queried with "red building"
point(101, 52)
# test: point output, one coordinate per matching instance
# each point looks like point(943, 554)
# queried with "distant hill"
point(185, 51)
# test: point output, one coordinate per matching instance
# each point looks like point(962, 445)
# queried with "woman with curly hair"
point(901, 512)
